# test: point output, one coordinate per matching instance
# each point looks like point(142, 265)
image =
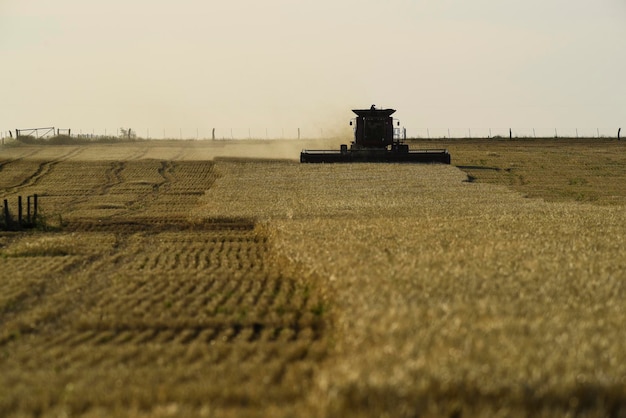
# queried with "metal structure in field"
point(35, 132)
point(375, 140)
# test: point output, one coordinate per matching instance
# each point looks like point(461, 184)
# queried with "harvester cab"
point(375, 140)
point(374, 128)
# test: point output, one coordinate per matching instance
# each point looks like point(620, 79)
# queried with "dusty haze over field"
point(179, 69)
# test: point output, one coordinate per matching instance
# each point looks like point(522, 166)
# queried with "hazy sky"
point(193, 65)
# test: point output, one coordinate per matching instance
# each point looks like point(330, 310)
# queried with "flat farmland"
point(221, 278)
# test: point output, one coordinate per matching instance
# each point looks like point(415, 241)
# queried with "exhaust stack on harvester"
point(375, 141)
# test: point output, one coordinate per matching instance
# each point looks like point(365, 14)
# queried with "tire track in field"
point(174, 186)
point(139, 154)
point(180, 185)
point(141, 200)
point(42, 170)
point(113, 177)
point(4, 163)
point(178, 155)
point(166, 172)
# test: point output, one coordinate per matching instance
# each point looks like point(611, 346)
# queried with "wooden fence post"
point(19, 210)
point(7, 215)
point(28, 210)
point(35, 208)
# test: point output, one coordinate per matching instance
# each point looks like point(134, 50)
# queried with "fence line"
point(513, 132)
point(301, 133)
point(9, 221)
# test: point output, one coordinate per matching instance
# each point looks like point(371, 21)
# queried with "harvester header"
point(375, 140)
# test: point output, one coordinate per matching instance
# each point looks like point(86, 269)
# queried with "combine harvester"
point(375, 141)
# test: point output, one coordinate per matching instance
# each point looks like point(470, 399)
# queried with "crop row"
point(202, 302)
point(200, 280)
point(130, 304)
point(182, 347)
point(203, 313)
point(220, 229)
point(109, 188)
point(203, 256)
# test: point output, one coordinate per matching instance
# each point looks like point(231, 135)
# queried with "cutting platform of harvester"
point(376, 139)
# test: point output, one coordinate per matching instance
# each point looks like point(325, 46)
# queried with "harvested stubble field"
point(170, 283)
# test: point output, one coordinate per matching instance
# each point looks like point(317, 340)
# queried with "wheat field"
point(189, 278)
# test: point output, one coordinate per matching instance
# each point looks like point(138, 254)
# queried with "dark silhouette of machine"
point(375, 140)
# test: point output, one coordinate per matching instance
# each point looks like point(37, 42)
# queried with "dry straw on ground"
point(177, 286)
point(448, 294)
